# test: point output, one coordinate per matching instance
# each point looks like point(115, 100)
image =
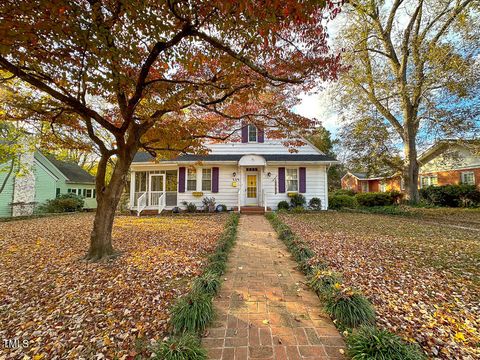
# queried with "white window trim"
point(429, 182)
point(256, 133)
point(367, 187)
point(298, 179)
point(463, 173)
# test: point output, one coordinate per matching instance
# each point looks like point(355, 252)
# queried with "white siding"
point(227, 194)
point(268, 147)
point(316, 185)
point(456, 157)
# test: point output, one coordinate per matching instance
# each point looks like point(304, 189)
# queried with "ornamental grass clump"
point(217, 267)
point(185, 347)
point(370, 343)
point(325, 283)
point(192, 313)
point(209, 283)
point(302, 253)
point(350, 308)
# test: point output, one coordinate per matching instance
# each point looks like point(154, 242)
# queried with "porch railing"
point(141, 203)
point(161, 202)
point(154, 198)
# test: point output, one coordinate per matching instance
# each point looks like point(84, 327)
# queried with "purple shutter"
point(261, 135)
point(181, 179)
point(244, 133)
point(303, 180)
point(215, 173)
point(281, 180)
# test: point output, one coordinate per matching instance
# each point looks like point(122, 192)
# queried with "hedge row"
point(194, 311)
point(351, 311)
point(346, 200)
point(451, 195)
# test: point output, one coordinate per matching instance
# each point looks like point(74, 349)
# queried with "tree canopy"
point(163, 75)
point(414, 63)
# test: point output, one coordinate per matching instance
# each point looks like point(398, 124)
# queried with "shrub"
point(208, 283)
point(341, 201)
point(283, 205)
point(191, 207)
point(451, 195)
point(209, 204)
point(345, 192)
point(350, 308)
point(374, 199)
point(63, 203)
point(185, 347)
point(324, 283)
point(298, 200)
point(192, 312)
point(370, 343)
point(315, 203)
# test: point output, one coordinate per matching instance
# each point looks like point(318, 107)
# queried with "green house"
point(45, 178)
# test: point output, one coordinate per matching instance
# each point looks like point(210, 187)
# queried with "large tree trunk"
point(107, 200)
point(411, 167)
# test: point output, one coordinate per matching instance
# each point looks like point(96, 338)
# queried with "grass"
point(192, 313)
point(324, 282)
point(350, 308)
point(209, 283)
point(370, 343)
point(185, 347)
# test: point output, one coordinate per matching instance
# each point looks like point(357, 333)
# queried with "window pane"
point(292, 185)
point(88, 193)
point(433, 180)
point(424, 181)
point(192, 180)
point(252, 133)
point(468, 178)
point(206, 179)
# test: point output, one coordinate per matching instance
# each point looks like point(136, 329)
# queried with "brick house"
point(447, 162)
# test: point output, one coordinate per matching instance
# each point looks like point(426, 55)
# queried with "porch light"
point(234, 174)
point(269, 174)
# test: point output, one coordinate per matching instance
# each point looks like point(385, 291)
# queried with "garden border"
point(351, 312)
point(194, 311)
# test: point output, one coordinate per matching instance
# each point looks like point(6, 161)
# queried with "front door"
point(157, 189)
point(252, 191)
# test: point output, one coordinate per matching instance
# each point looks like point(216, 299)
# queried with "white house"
point(251, 172)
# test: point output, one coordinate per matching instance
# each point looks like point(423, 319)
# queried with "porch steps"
point(251, 210)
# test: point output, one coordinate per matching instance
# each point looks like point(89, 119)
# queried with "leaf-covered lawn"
point(423, 278)
point(67, 308)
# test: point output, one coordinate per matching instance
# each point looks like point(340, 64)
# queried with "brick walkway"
point(264, 310)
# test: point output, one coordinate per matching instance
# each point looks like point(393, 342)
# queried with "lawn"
point(66, 307)
point(422, 277)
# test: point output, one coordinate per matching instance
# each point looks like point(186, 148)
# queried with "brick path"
point(264, 310)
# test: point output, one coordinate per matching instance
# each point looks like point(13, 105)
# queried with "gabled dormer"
point(252, 134)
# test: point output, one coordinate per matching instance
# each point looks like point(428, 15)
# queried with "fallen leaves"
point(423, 278)
point(68, 308)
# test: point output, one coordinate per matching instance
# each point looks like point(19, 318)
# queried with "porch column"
point(132, 189)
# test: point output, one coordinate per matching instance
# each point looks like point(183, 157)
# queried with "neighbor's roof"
point(146, 157)
point(364, 176)
point(440, 145)
point(72, 171)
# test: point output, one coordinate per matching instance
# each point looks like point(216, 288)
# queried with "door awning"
point(252, 160)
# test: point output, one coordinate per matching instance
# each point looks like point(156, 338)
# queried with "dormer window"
point(252, 133)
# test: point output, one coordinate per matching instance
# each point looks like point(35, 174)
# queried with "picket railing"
point(141, 203)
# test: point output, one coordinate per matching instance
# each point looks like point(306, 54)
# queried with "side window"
point(252, 133)
point(192, 180)
point(206, 179)
point(292, 180)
